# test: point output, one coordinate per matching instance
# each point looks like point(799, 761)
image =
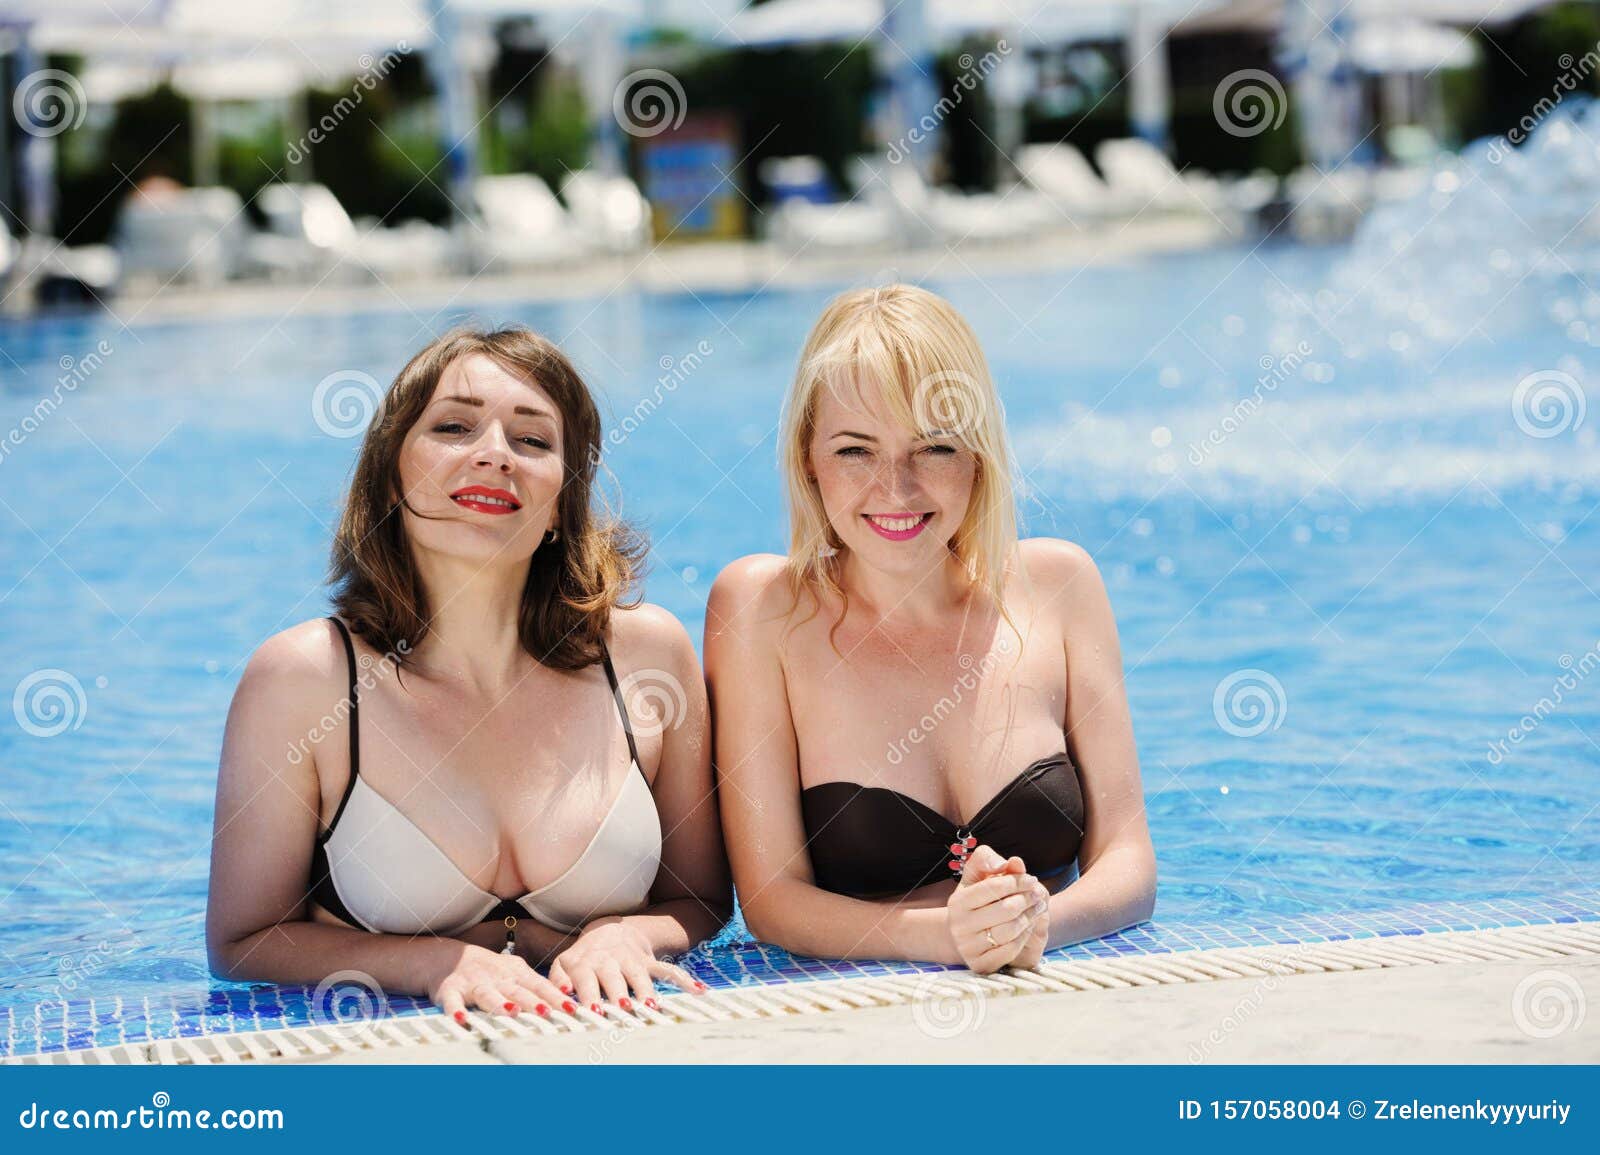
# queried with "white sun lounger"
point(520, 224)
point(609, 212)
point(322, 239)
point(193, 236)
point(1060, 172)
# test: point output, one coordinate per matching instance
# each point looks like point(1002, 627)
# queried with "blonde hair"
point(909, 352)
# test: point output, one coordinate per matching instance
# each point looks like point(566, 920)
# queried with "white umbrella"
point(1389, 46)
point(1037, 21)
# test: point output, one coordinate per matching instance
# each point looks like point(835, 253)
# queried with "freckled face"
point(893, 497)
point(483, 464)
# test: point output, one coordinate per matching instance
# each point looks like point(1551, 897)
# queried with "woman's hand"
point(611, 958)
point(493, 982)
point(1032, 952)
point(993, 911)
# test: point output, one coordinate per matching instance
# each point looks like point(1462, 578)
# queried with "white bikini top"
point(376, 869)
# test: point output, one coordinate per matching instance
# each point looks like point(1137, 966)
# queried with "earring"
point(551, 535)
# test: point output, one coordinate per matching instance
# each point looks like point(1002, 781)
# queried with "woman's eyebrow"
point(478, 401)
point(853, 433)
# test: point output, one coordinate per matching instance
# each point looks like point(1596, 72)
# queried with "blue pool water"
point(1329, 616)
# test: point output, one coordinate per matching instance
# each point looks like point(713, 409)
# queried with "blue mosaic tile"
point(731, 961)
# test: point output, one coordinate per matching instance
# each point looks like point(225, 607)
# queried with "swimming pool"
point(1351, 549)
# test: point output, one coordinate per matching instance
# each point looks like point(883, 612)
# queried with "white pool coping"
point(1508, 994)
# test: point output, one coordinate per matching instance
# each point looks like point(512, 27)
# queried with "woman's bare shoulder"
point(295, 669)
point(751, 593)
point(648, 636)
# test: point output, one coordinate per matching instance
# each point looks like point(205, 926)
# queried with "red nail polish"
point(625, 1004)
point(511, 1006)
point(566, 990)
point(698, 985)
point(595, 1007)
point(971, 842)
point(461, 1017)
point(541, 1009)
point(568, 1006)
point(651, 1003)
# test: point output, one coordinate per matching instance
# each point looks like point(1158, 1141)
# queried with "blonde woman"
point(920, 721)
point(486, 797)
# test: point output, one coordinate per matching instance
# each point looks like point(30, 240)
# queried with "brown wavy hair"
point(574, 582)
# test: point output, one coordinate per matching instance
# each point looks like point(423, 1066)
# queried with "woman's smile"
point(484, 499)
point(898, 526)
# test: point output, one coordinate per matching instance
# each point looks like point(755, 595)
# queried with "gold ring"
point(989, 934)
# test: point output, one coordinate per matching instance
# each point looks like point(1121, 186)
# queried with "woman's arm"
point(267, 817)
point(692, 897)
point(757, 762)
point(1116, 886)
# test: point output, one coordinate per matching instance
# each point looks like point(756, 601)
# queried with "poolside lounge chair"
point(1141, 172)
point(609, 212)
point(196, 236)
point(520, 224)
point(1060, 172)
point(800, 224)
point(322, 240)
point(923, 214)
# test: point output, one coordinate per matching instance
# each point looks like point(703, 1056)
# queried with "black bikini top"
point(869, 841)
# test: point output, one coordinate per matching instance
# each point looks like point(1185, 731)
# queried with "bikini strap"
point(622, 707)
point(355, 724)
